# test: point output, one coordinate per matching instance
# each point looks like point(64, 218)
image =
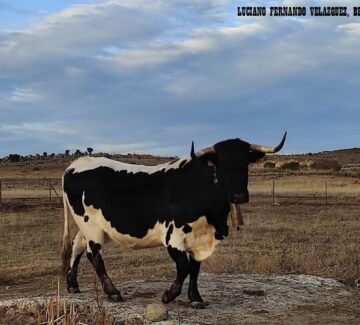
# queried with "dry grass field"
point(296, 235)
point(300, 234)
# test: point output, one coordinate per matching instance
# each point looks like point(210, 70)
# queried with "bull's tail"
point(66, 246)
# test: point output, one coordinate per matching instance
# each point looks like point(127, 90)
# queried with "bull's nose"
point(240, 198)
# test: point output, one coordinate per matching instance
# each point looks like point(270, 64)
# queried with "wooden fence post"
point(326, 193)
point(56, 193)
point(50, 189)
point(273, 191)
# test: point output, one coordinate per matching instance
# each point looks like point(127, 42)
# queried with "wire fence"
point(48, 189)
point(319, 189)
point(272, 189)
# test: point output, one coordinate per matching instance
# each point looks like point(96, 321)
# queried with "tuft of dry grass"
point(56, 311)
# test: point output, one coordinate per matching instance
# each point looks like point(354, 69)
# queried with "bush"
point(14, 157)
point(292, 165)
point(269, 165)
point(326, 164)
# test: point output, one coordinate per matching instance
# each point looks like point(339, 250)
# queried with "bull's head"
point(231, 159)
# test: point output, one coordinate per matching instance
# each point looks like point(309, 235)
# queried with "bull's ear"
point(210, 158)
point(254, 156)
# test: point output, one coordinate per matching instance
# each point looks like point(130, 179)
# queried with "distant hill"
point(343, 156)
point(344, 161)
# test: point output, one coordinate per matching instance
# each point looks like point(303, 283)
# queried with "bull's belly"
point(200, 242)
point(153, 238)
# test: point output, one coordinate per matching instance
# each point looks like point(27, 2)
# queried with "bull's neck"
point(196, 182)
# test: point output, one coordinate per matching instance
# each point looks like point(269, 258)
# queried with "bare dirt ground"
point(232, 299)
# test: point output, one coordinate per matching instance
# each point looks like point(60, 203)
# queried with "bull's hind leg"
point(78, 248)
point(94, 255)
point(193, 294)
point(182, 271)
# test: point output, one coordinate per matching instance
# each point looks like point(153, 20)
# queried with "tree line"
point(14, 157)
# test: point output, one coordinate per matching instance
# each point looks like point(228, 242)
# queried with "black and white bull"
point(183, 205)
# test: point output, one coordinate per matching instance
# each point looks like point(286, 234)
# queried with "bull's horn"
point(200, 153)
point(255, 147)
point(204, 152)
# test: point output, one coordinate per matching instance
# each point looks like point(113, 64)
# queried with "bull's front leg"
point(182, 271)
point(193, 293)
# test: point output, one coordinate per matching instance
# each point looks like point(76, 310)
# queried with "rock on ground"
point(155, 312)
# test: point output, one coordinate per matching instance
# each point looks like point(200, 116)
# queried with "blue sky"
point(151, 76)
point(19, 13)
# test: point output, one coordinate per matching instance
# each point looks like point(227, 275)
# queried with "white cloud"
point(24, 95)
point(47, 129)
point(74, 72)
point(351, 27)
point(202, 41)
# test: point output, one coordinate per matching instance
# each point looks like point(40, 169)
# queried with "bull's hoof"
point(197, 304)
point(169, 296)
point(116, 297)
point(166, 297)
point(73, 290)
point(173, 292)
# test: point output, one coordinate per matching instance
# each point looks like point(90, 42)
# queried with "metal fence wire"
point(273, 189)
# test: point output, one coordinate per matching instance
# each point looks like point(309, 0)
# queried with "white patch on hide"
point(88, 163)
point(78, 247)
point(177, 238)
point(201, 241)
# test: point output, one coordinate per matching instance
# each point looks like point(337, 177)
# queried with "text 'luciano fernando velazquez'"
point(296, 11)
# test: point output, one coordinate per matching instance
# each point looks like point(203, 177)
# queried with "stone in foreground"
point(155, 312)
